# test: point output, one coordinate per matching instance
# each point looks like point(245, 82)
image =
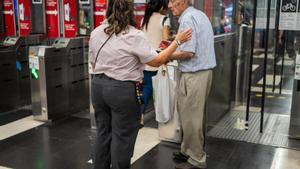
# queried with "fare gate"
point(15, 81)
point(59, 82)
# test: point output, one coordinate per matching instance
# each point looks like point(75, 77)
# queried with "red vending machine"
point(2, 32)
point(99, 12)
point(31, 17)
point(70, 17)
point(61, 18)
point(139, 11)
point(24, 17)
point(52, 19)
point(9, 18)
point(85, 17)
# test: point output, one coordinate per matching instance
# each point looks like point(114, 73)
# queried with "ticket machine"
point(99, 12)
point(71, 18)
point(2, 32)
point(31, 17)
point(9, 16)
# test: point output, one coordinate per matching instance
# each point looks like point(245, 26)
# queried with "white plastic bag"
point(163, 95)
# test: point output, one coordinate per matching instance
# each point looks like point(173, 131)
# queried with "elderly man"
point(196, 61)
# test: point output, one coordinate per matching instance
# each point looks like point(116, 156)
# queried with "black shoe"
point(178, 156)
point(187, 165)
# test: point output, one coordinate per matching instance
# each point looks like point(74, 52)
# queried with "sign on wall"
point(52, 18)
point(289, 15)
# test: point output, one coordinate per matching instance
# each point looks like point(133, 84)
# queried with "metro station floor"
point(67, 145)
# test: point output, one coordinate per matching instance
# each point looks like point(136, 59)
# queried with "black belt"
point(137, 85)
point(102, 76)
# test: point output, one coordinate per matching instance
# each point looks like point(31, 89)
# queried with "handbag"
point(164, 95)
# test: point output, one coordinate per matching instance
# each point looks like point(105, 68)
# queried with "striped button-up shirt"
point(201, 44)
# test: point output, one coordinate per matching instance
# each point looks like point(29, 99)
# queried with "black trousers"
point(117, 114)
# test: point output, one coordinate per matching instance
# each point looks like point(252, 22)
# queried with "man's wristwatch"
point(178, 43)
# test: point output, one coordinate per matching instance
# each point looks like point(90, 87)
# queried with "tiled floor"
point(285, 158)
point(11, 116)
point(18, 126)
point(62, 145)
point(67, 145)
point(222, 154)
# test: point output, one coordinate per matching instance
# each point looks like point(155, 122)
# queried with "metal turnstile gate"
point(14, 77)
point(295, 109)
point(59, 81)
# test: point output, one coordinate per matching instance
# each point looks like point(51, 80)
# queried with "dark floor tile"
point(159, 157)
point(11, 116)
point(62, 145)
point(294, 143)
point(152, 123)
point(279, 104)
point(222, 154)
point(238, 155)
point(31, 159)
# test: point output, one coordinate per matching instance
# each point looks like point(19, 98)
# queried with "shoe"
point(180, 157)
point(187, 165)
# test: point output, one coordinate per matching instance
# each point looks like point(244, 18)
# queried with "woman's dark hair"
point(153, 6)
point(119, 15)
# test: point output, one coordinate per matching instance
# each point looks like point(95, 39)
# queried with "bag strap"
point(164, 20)
point(164, 70)
point(100, 50)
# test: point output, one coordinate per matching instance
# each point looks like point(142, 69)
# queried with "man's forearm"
point(181, 55)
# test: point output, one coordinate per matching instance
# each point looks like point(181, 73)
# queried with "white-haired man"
point(196, 61)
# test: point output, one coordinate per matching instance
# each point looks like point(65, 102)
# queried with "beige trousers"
point(192, 93)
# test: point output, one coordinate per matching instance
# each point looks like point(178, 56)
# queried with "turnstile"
point(59, 81)
point(9, 76)
point(78, 76)
point(14, 77)
point(242, 65)
point(295, 109)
